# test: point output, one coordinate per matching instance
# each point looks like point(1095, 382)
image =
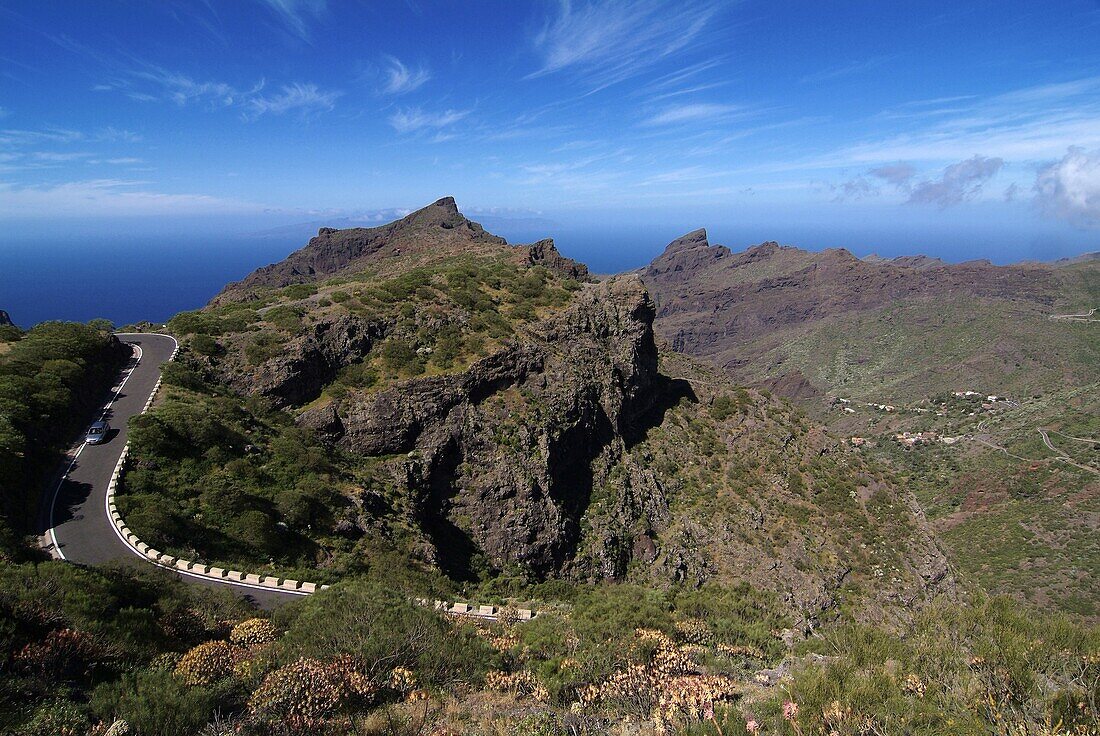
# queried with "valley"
point(421, 413)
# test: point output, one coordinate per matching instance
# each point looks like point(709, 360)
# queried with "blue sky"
point(904, 125)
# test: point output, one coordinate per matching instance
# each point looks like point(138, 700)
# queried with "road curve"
point(77, 527)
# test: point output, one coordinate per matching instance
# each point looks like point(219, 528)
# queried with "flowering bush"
point(692, 698)
point(253, 632)
point(668, 688)
point(694, 631)
point(402, 679)
point(64, 653)
point(520, 683)
point(207, 663)
point(303, 694)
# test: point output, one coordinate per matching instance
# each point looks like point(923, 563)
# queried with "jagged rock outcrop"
point(308, 361)
point(503, 457)
point(4, 318)
point(562, 450)
point(544, 253)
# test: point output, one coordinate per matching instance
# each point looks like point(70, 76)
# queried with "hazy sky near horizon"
point(916, 119)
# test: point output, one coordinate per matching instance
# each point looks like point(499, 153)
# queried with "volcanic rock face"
point(309, 361)
point(503, 457)
point(543, 253)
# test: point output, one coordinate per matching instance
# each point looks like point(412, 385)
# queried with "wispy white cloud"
point(306, 99)
point(1069, 189)
point(681, 175)
point(59, 156)
point(107, 197)
point(858, 188)
point(400, 78)
point(695, 112)
point(121, 161)
point(899, 174)
point(15, 137)
point(296, 15)
point(181, 89)
point(413, 119)
point(23, 151)
point(1029, 124)
point(957, 183)
point(844, 70)
point(607, 42)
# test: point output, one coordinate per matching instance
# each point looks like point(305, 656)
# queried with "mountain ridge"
point(435, 231)
point(516, 419)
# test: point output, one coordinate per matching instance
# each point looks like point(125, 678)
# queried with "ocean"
point(127, 279)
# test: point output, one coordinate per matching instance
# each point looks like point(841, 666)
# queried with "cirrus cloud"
point(401, 79)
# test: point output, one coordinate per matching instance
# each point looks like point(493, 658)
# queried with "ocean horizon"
point(137, 278)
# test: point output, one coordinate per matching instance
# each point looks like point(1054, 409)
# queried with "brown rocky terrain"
point(806, 323)
point(554, 440)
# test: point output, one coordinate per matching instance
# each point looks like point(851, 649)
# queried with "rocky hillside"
point(488, 413)
point(436, 231)
point(901, 356)
point(882, 330)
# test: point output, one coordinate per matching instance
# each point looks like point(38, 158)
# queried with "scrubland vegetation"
point(84, 649)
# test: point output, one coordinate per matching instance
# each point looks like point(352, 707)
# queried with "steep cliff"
point(491, 414)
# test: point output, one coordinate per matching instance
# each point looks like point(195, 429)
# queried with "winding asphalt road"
point(74, 518)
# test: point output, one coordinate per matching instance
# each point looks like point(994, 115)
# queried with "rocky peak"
point(430, 232)
point(764, 250)
point(4, 318)
point(441, 213)
point(687, 253)
point(694, 239)
point(545, 253)
point(566, 393)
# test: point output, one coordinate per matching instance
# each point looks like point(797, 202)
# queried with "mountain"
point(809, 323)
point(902, 356)
point(488, 412)
point(4, 318)
point(422, 412)
point(433, 232)
point(303, 230)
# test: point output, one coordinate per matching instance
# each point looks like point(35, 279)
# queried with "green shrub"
point(382, 629)
point(284, 317)
point(399, 358)
point(262, 348)
point(613, 612)
point(156, 703)
point(205, 345)
point(299, 291)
